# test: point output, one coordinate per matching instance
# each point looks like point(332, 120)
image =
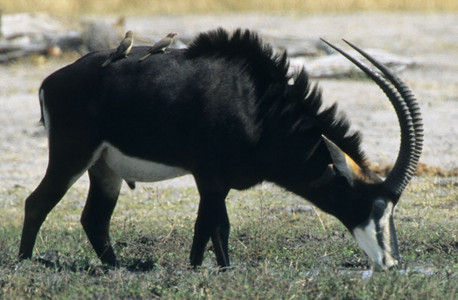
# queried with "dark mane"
point(291, 109)
point(245, 48)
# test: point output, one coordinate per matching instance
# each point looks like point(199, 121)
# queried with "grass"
point(279, 249)
point(220, 6)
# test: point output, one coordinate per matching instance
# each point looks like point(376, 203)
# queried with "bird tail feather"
point(144, 57)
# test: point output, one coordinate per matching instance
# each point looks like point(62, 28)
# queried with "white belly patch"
point(137, 169)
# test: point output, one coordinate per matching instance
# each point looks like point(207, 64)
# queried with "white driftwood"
point(336, 66)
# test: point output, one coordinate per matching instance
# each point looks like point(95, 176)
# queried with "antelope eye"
point(378, 209)
point(380, 204)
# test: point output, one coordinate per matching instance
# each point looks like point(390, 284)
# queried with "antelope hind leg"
point(101, 201)
point(49, 192)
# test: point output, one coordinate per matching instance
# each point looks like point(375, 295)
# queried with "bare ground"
point(429, 39)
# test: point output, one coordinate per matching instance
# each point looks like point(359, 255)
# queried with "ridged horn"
point(409, 117)
point(414, 110)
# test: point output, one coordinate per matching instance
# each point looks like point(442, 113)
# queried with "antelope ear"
point(343, 164)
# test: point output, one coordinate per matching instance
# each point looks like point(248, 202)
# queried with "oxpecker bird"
point(123, 49)
point(160, 46)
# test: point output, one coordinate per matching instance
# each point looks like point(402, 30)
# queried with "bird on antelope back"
point(160, 46)
point(122, 50)
point(227, 111)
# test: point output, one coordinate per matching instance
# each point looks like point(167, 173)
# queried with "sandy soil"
point(429, 39)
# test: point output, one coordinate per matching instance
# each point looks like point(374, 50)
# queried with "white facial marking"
point(366, 237)
point(137, 169)
point(387, 235)
point(385, 227)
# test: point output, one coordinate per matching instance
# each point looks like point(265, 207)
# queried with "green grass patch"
point(279, 249)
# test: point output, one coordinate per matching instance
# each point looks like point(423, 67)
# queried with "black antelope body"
point(225, 111)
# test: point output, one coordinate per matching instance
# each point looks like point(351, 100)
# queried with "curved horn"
point(406, 93)
point(409, 118)
point(414, 110)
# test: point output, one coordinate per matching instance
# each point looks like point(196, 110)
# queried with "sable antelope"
point(225, 111)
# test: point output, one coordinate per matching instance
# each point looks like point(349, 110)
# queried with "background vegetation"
point(220, 6)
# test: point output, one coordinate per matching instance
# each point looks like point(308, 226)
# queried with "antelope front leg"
point(212, 222)
point(101, 201)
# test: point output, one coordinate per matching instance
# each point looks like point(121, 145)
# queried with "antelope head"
point(377, 234)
